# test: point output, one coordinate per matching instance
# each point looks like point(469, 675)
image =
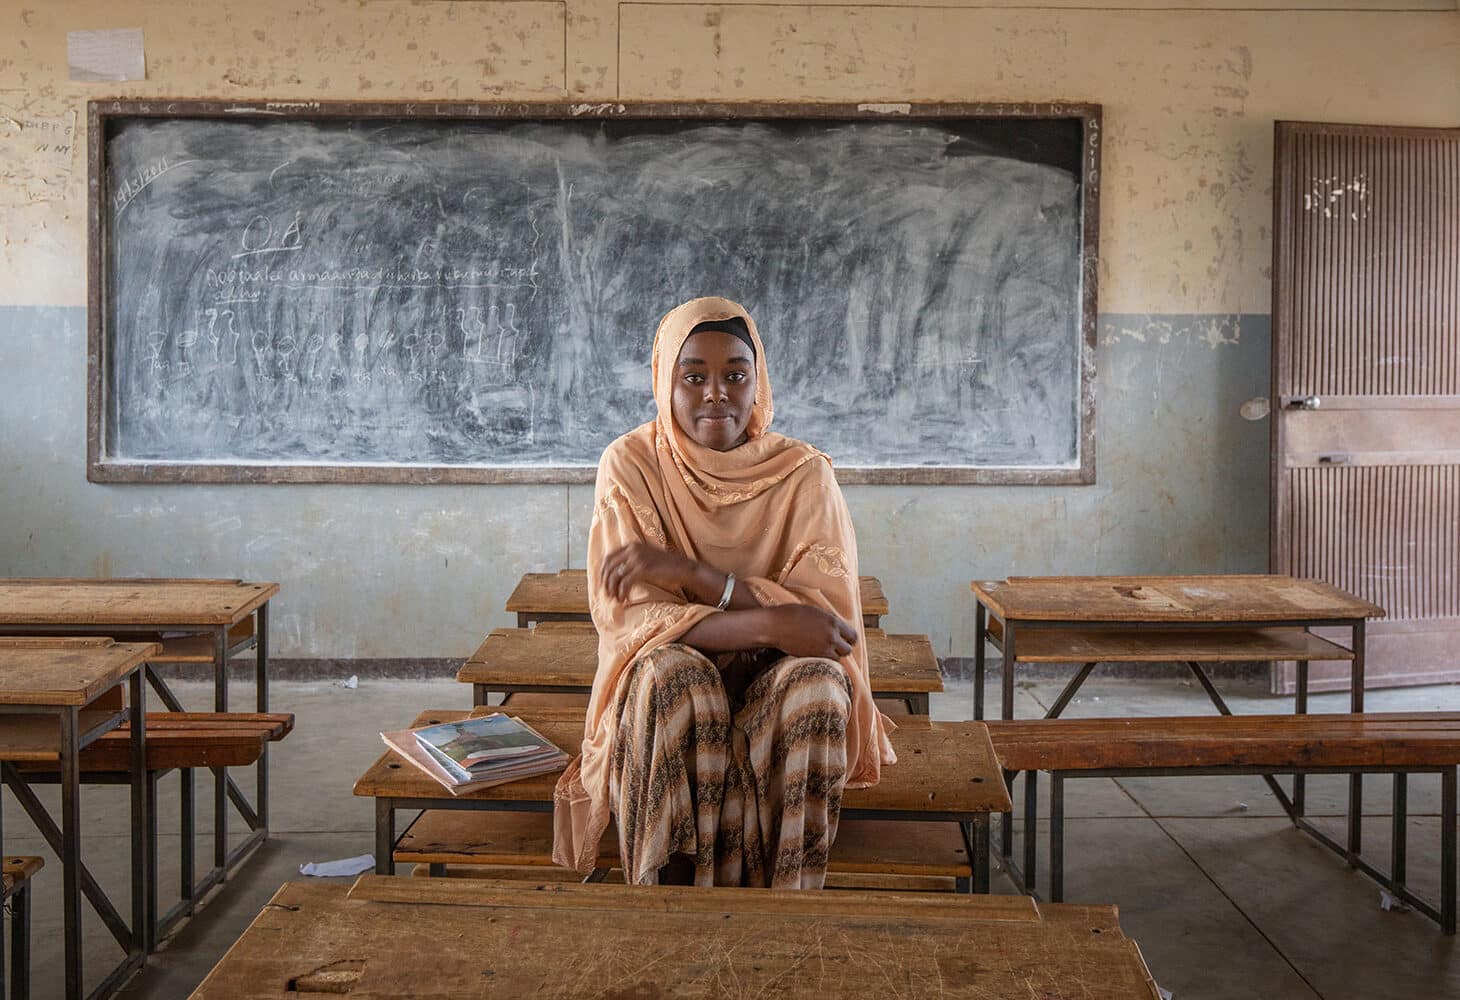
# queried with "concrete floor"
point(1223, 896)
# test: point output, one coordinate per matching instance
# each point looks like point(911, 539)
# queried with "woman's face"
point(714, 389)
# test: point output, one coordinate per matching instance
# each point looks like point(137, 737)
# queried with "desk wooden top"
point(1207, 599)
point(566, 592)
point(942, 768)
point(56, 672)
point(132, 604)
point(565, 654)
point(396, 938)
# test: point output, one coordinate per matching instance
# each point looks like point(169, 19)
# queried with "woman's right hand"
point(803, 630)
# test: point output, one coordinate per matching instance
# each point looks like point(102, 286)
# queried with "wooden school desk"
point(56, 697)
point(1188, 619)
point(388, 937)
point(562, 657)
point(563, 597)
point(200, 621)
point(946, 772)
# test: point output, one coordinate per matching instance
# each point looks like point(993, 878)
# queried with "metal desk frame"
point(225, 790)
point(974, 828)
point(1294, 806)
point(65, 840)
point(1394, 880)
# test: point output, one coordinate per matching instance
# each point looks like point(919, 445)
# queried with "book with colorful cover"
point(484, 743)
point(529, 752)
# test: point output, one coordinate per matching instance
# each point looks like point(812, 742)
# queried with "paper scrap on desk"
point(344, 866)
point(106, 56)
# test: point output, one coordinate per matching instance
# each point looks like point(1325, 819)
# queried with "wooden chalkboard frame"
point(102, 469)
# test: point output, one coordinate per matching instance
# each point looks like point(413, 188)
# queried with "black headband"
point(734, 325)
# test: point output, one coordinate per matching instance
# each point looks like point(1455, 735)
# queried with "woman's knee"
point(676, 674)
point(813, 677)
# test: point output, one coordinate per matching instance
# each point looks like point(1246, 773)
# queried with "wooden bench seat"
point(1386, 743)
point(563, 657)
point(946, 773)
point(187, 740)
point(442, 837)
point(182, 742)
point(563, 596)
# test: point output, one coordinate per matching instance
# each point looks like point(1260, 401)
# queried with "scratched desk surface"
point(133, 604)
point(1231, 598)
point(457, 938)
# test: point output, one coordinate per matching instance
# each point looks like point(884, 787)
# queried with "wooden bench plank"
point(17, 870)
point(1207, 646)
point(943, 768)
point(888, 847)
point(183, 740)
point(551, 656)
point(1330, 740)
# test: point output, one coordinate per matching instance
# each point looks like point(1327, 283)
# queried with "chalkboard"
point(468, 293)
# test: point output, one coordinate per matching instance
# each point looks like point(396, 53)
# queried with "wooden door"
point(1366, 385)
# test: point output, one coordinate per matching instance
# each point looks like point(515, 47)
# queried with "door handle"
point(1335, 459)
point(1302, 403)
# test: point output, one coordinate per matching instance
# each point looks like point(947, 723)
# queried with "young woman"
point(731, 704)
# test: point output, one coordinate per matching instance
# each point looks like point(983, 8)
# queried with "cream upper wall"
point(1189, 95)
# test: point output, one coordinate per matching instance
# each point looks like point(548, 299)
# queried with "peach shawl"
point(770, 511)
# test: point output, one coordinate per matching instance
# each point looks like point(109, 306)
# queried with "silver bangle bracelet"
point(728, 593)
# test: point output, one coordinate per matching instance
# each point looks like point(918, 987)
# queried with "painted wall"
point(406, 572)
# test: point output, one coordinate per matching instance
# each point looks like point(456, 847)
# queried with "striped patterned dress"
point(741, 770)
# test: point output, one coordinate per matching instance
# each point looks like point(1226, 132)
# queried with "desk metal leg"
point(981, 853)
point(1006, 832)
point(1068, 694)
point(1056, 837)
point(1031, 830)
point(976, 843)
point(261, 690)
point(384, 837)
point(1399, 832)
point(1301, 708)
point(71, 850)
point(980, 627)
point(187, 831)
point(144, 832)
point(220, 774)
point(1447, 851)
point(20, 943)
point(1356, 781)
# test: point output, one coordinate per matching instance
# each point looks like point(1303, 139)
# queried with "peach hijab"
point(770, 511)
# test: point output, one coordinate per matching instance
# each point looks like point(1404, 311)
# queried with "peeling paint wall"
point(1190, 97)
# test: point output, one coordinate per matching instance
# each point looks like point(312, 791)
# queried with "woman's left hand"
point(640, 562)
